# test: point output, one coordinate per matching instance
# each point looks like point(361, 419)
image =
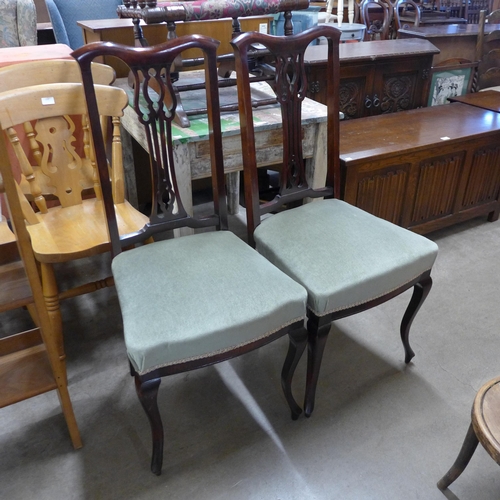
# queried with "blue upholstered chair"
point(64, 15)
point(347, 259)
point(195, 300)
point(17, 23)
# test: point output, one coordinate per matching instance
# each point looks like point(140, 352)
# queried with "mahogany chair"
point(32, 362)
point(347, 259)
point(484, 429)
point(56, 162)
point(377, 29)
point(195, 300)
point(407, 14)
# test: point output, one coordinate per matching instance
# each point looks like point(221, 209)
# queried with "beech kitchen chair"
point(195, 300)
point(32, 362)
point(347, 259)
point(56, 162)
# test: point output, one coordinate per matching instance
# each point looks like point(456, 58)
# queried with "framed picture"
point(450, 81)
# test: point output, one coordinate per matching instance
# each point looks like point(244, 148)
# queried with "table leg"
point(233, 192)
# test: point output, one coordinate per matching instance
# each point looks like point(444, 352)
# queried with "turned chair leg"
point(317, 336)
point(147, 392)
point(51, 296)
point(297, 344)
point(420, 292)
point(468, 448)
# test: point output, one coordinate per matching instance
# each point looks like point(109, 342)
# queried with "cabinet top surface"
point(317, 54)
point(407, 131)
point(447, 30)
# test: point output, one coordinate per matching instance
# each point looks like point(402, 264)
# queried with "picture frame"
point(450, 80)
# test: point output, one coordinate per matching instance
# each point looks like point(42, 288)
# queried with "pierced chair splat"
point(54, 163)
point(347, 259)
point(196, 300)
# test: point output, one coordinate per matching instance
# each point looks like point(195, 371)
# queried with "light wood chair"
point(347, 259)
point(195, 300)
point(32, 362)
point(484, 429)
point(55, 164)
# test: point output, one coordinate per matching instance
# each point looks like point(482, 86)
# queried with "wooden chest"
point(426, 168)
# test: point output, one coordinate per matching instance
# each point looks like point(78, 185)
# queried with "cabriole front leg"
point(147, 392)
point(420, 292)
point(317, 335)
point(297, 344)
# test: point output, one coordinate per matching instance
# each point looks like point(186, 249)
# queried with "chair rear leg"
point(468, 448)
point(317, 336)
point(296, 346)
point(147, 391)
point(420, 292)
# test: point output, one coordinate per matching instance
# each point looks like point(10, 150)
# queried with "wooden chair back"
point(290, 86)
point(488, 51)
point(407, 13)
point(27, 74)
point(376, 28)
point(53, 162)
point(152, 68)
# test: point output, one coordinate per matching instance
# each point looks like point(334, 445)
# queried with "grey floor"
point(381, 430)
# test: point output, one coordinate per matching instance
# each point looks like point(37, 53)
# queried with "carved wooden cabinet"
point(426, 168)
point(375, 77)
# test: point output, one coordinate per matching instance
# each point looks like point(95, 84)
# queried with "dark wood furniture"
point(484, 429)
point(201, 299)
point(377, 16)
point(424, 169)
point(122, 31)
point(375, 77)
point(452, 41)
point(488, 51)
point(489, 99)
point(347, 259)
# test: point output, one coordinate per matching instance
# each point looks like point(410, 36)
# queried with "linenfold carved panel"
point(384, 194)
point(484, 178)
point(437, 186)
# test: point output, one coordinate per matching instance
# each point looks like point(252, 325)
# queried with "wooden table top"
point(429, 32)
point(414, 130)
point(266, 118)
point(489, 99)
point(317, 54)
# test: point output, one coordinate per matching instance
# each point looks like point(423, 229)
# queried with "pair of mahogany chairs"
point(196, 300)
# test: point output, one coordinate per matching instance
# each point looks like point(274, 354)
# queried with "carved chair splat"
point(196, 300)
point(76, 227)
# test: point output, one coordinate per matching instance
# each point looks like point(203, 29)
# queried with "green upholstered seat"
point(342, 255)
point(194, 296)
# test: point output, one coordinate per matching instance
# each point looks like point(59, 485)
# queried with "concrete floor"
point(380, 430)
